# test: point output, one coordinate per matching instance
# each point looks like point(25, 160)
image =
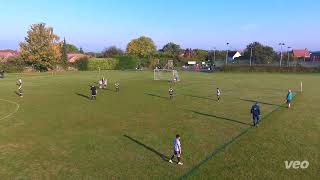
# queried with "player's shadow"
point(107, 89)
point(17, 93)
point(162, 156)
point(199, 97)
point(218, 117)
point(155, 95)
point(260, 102)
point(82, 95)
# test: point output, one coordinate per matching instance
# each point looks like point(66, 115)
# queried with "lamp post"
point(214, 54)
point(281, 44)
point(251, 47)
point(227, 53)
point(288, 56)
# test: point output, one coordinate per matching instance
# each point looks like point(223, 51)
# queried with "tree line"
point(43, 50)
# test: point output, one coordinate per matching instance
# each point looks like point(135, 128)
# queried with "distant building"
point(315, 56)
point(188, 53)
point(301, 53)
point(73, 57)
point(232, 55)
point(5, 54)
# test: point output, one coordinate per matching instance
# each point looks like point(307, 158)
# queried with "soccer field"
point(56, 132)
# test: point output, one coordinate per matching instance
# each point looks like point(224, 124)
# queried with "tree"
point(112, 52)
point(64, 55)
point(200, 54)
point(41, 47)
point(81, 50)
point(142, 47)
point(72, 48)
point(260, 54)
point(171, 48)
point(218, 55)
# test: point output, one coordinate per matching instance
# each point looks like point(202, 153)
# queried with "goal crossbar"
point(166, 74)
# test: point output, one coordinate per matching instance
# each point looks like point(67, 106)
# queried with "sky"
point(206, 24)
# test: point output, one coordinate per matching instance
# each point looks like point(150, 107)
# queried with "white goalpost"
point(166, 74)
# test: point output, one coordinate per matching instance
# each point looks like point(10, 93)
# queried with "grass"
point(58, 133)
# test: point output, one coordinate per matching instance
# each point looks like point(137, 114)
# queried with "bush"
point(12, 66)
point(82, 64)
point(85, 64)
point(127, 62)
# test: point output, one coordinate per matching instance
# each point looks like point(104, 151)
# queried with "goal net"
point(166, 74)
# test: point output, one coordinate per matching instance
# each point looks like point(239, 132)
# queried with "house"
point(5, 54)
point(188, 53)
point(301, 53)
point(315, 56)
point(73, 57)
point(232, 55)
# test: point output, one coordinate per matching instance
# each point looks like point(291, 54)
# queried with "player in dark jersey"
point(255, 111)
point(2, 74)
point(93, 92)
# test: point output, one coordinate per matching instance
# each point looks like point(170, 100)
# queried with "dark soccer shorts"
point(176, 153)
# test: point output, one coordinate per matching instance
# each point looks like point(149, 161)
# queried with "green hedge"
point(127, 62)
point(92, 64)
point(102, 63)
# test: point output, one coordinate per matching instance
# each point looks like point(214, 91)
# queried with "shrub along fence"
point(12, 67)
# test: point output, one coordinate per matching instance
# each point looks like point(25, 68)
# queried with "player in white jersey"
point(100, 84)
point(19, 83)
point(171, 91)
point(218, 94)
point(177, 151)
point(104, 83)
point(117, 86)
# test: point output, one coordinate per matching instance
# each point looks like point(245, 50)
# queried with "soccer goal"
point(166, 74)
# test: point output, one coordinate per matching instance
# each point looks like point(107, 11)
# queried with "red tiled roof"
point(8, 53)
point(301, 53)
point(74, 57)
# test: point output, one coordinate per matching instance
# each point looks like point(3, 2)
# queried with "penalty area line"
point(226, 144)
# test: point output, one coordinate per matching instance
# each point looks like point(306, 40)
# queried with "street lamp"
point(251, 47)
point(281, 44)
point(227, 53)
point(214, 54)
point(288, 56)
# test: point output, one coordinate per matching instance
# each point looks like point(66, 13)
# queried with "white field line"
point(10, 114)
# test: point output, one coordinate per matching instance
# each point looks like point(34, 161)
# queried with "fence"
point(305, 64)
point(244, 65)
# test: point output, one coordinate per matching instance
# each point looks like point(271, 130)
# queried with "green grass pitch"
point(56, 132)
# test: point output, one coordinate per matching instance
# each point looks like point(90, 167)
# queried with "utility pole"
point(214, 54)
point(288, 61)
point(227, 53)
point(251, 46)
point(281, 44)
